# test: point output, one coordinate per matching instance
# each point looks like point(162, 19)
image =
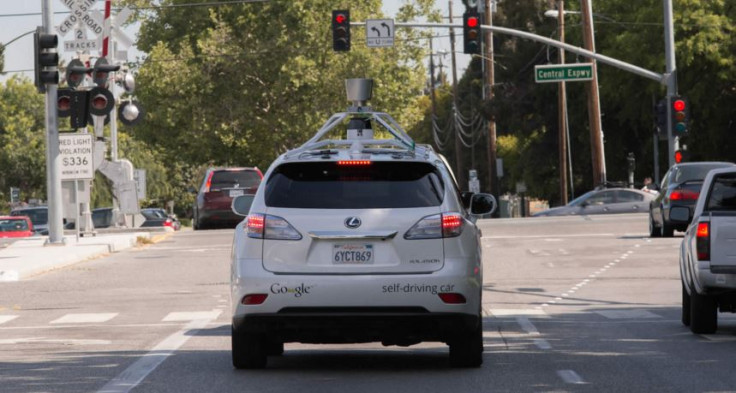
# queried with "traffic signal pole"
point(53, 159)
point(670, 75)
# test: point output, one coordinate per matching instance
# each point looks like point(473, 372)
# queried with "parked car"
point(39, 216)
point(339, 249)
point(212, 206)
point(15, 226)
point(603, 201)
point(680, 187)
point(707, 252)
point(158, 217)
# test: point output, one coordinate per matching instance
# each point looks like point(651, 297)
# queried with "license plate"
point(354, 254)
point(234, 193)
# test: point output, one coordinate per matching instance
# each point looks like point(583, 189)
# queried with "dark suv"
point(680, 187)
point(39, 216)
point(219, 187)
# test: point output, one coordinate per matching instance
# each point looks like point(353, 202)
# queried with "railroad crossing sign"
point(379, 32)
point(563, 72)
point(81, 11)
point(83, 15)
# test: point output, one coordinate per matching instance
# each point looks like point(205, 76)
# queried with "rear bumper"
point(390, 325)
point(217, 215)
point(714, 279)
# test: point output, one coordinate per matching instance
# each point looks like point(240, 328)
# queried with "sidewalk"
point(29, 257)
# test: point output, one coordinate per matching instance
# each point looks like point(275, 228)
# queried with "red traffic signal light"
point(471, 32)
point(341, 30)
point(682, 156)
point(101, 101)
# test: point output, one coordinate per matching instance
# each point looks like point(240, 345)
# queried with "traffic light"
point(471, 32)
point(661, 116)
point(680, 108)
point(102, 71)
point(341, 30)
point(101, 101)
point(47, 59)
point(682, 156)
point(75, 73)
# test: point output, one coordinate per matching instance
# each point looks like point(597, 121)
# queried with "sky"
point(19, 17)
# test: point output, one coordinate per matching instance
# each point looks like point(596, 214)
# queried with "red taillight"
point(684, 195)
point(353, 162)
point(452, 298)
point(168, 223)
point(254, 298)
point(255, 225)
point(208, 183)
point(452, 225)
point(702, 241)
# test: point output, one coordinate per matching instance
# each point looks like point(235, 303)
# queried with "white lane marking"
point(190, 316)
point(42, 340)
point(85, 318)
point(637, 245)
point(547, 236)
point(628, 314)
point(527, 325)
point(542, 344)
point(137, 372)
point(512, 312)
point(570, 376)
point(7, 318)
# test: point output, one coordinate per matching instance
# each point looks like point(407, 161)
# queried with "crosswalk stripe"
point(85, 318)
point(7, 318)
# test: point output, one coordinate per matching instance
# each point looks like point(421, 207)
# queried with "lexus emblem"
point(352, 222)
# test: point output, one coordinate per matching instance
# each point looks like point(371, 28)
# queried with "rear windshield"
point(12, 225)
point(326, 185)
point(694, 172)
point(234, 179)
point(723, 194)
point(37, 216)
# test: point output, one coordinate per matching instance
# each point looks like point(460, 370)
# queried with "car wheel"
point(667, 230)
point(653, 230)
point(467, 350)
point(685, 306)
point(703, 313)
point(248, 350)
point(275, 347)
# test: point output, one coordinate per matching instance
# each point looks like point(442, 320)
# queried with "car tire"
point(703, 313)
point(275, 347)
point(653, 229)
point(248, 350)
point(667, 230)
point(685, 306)
point(466, 351)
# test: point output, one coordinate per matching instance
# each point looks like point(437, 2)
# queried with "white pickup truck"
point(708, 253)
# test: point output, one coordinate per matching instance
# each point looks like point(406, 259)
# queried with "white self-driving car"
point(358, 240)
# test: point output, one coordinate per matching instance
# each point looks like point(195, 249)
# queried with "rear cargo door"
point(352, 217)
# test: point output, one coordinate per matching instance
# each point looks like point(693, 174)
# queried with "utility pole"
point(594, 104)
point(431, 84)
point(53, 159)
point(493, 185)
point(460, 173)
point(562, 110)
point(669, 46)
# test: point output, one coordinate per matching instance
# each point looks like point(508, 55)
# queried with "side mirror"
point(680, 214)
point(241, 204)
point(481, 204)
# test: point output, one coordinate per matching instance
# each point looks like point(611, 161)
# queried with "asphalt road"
point(572, 304)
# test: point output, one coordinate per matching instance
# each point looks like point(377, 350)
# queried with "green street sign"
point(563, 72)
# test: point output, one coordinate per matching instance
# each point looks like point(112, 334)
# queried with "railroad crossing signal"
point(341, 30)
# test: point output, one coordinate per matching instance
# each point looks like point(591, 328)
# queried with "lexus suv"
point(358, 240)
point(212, 206)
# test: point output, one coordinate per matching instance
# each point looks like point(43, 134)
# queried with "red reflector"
point(452, 298)
point(354, 163)
point(254, 298)
point(703, 229)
